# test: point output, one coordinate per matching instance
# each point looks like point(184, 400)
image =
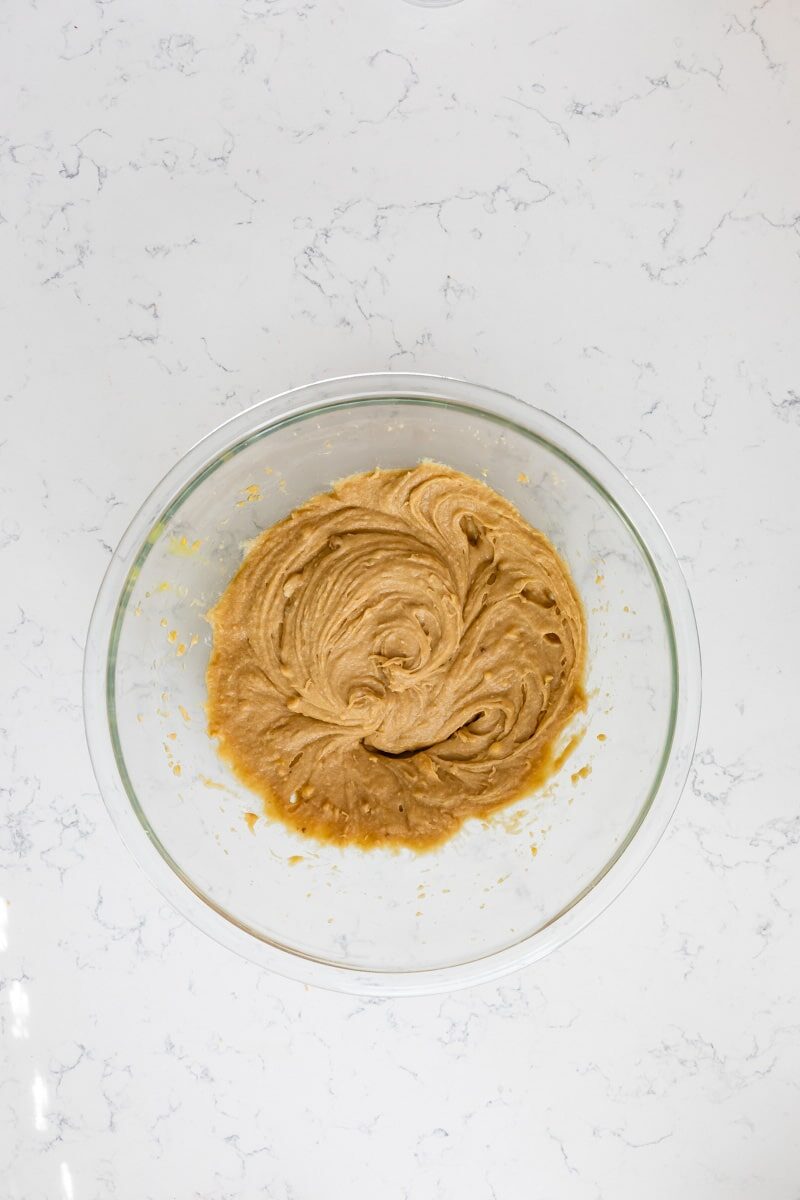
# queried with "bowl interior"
point(496, 882)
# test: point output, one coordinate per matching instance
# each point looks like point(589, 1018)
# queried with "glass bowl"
point(502, 893)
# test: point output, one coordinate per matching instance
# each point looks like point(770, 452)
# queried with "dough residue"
point(394, 657)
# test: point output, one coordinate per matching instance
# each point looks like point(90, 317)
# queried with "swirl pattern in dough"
point(395, 656)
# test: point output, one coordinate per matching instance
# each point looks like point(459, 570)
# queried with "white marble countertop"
point(593, 206)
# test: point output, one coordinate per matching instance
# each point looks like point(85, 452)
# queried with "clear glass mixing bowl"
point(502, 893)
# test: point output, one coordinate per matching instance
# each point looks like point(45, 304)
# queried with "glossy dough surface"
point(395, 656)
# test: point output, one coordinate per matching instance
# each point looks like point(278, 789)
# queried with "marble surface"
point(593, 206)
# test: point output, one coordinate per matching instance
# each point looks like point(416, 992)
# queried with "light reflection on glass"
point(20, 1009)
point(39, 1090)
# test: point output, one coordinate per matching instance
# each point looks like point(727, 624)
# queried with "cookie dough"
point(395, 656)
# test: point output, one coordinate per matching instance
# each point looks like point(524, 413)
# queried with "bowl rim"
point(256, 422)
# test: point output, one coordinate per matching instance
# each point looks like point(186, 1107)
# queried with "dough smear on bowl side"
point(396, 656)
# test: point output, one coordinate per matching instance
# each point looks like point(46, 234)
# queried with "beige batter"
point(394, 657)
